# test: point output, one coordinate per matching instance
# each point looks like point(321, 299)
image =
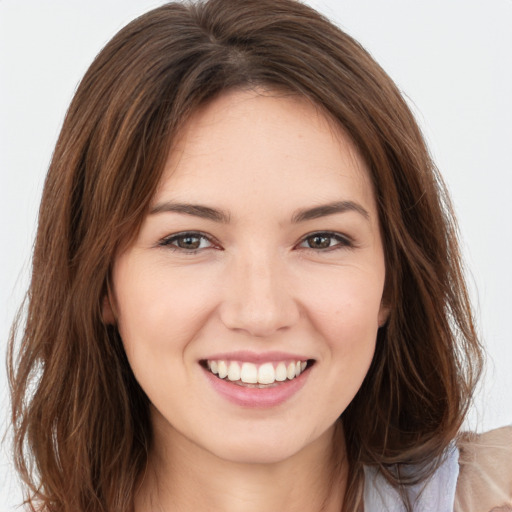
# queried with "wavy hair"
point(81, 421)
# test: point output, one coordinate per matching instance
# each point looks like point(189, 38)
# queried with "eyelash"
point(342, 241)
point(169, 240)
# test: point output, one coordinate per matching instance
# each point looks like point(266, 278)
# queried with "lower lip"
point(257, 397)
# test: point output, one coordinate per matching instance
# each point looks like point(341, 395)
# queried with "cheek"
point(159, 314)
point(346, 316)
point(348, 308)
point(350, 338)
point(159, 306)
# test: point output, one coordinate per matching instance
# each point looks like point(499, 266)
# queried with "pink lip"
point(254, 357)
point(257, 397)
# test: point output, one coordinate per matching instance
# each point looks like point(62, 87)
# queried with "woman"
point(246, 274)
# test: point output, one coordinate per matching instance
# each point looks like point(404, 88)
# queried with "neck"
point(312, 480)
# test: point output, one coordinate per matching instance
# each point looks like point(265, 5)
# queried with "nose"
point(258, 296)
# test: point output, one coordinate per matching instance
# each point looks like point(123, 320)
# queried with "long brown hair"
point(81, 421)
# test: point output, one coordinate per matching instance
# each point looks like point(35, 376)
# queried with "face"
point(250, 301)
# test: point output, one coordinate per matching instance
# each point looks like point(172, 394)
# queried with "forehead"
point(268, 145)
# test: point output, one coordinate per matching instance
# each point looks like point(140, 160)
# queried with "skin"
point(256, 283)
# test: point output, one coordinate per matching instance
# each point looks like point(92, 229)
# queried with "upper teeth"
point(250, 373)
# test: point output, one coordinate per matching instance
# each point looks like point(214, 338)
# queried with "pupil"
point(319, 242)
point(189, 242)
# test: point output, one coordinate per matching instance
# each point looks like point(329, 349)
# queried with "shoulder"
point(485, 472)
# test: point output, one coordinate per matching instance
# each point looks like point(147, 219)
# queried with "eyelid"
point(345, 241)
point(166, 242)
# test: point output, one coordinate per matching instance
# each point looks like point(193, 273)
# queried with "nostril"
point(258, 310)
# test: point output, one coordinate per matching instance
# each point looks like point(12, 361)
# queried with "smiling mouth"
point(265, 375)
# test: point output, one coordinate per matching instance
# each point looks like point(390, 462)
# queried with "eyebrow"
point(302, 215)
point(329, 209)
point(196, 210)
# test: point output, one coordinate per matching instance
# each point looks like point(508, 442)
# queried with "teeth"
point(250, 373)
point(266, 374)
point(234, 371)
point(281, 372)
point(223, 369)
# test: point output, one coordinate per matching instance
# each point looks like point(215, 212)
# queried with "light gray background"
point(452, 58)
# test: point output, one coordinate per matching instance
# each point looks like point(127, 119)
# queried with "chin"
point(266, 449)
point(257, 453)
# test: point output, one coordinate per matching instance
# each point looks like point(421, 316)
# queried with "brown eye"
point(187, 242)
point(322, 241)
point(318, 241)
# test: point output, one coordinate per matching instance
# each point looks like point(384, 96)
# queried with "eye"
point(325, 241)
point(190, 242)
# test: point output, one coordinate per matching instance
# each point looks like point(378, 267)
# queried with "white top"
point(435, 495)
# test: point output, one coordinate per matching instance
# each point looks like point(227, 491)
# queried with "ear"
point(383, 316)
point(107, 311)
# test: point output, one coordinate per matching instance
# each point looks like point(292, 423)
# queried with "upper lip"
point(257, 357)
